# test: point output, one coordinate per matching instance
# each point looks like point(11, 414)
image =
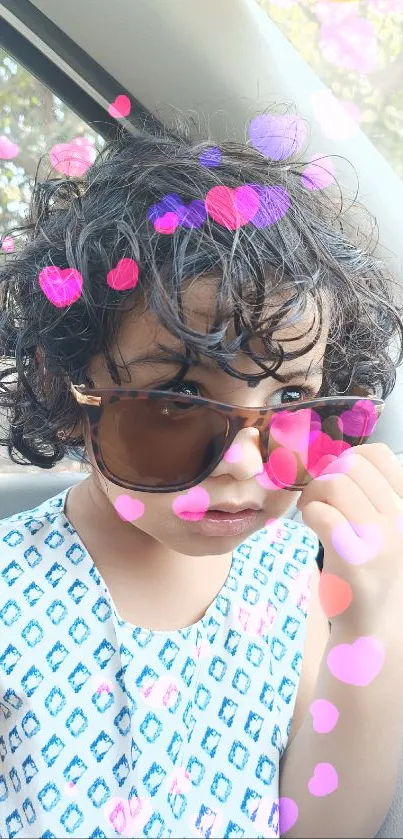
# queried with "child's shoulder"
point(17, 530)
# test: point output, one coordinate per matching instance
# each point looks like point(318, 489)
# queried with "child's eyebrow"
point(162, 358)
point(313, 370)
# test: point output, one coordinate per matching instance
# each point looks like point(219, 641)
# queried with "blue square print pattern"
point(107, 728)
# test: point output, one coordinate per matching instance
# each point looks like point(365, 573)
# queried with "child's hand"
point(356, 509)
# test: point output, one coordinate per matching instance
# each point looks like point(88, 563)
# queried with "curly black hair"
point(92, 222)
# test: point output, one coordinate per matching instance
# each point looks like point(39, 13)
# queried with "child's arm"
point(357, 761)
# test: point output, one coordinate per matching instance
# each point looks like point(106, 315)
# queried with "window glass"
point(39, 135)
point(356, 49)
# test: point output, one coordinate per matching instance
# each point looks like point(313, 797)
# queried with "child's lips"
point(228, 523)
point(234, 509)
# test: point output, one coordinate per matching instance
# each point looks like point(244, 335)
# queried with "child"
point(199, 324)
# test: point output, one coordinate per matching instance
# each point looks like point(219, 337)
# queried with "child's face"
point(234, 480)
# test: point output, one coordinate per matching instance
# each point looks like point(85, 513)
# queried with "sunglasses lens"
point(164, 443)
point(303, 442)
point(160, 443)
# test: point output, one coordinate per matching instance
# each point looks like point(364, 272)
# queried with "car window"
point(35, 126)
point(356, 49)
point(39, 136)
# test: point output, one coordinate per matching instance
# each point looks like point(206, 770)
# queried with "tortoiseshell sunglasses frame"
point(95, 400)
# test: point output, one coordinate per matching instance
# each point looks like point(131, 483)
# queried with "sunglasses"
point(159, 441)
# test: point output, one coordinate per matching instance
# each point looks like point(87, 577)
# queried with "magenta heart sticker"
point(121, 107)
point(324, 716)
point(357, 543)
point(125, 275)
point(324, 780)
point(171, 211)
point(360, 421)
point(193, 505)
point(358, 663)
point(232, 208)
point(129, 509)
point(321, 452)
point(62, 286)
point(166, 223)
point(279, 471)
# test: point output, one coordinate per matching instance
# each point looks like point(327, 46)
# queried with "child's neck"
point(151, 585)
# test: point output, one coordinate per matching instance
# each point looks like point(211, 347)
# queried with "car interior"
point(225, 61)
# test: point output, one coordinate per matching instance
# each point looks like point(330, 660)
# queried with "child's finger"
point(368, 476)
point(324, 520)
point(342, 493)
point(382, 457)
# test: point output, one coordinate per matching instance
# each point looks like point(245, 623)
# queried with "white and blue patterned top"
point(107, 729)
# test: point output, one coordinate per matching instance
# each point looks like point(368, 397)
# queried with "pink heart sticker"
point(193, 505)
point(352, 46)
point(8, 245)
point(319, 173)
point(121, 107)
point(324, 716)
point(70, 788)
point(338, 119)
point(178, 782)
point(125, 275)
point(296, 430)
point(129, 509)
point(161, 693)
point(74, 158)
point(234, 454)
point(324, 780)
point(62, 286)
point(8, 149)
point(127, 816)
point(266, 818)
point(288, 814)
point(357, 543)
point(254, 620)
point(358, 663)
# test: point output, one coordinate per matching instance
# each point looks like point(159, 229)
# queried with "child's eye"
point(287, 395)
point(185, 389)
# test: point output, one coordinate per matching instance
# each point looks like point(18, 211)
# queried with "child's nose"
point(243, 460)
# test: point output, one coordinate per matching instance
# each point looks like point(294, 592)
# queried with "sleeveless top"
point(109, 729)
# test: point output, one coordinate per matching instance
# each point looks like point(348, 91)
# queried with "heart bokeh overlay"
point(297, 437)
